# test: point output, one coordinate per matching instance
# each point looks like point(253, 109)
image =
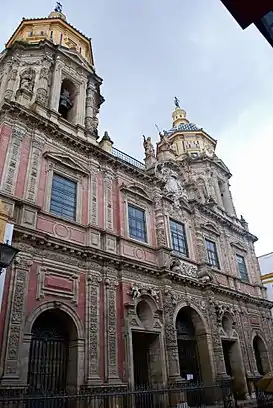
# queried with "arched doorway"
point(193, 349)
point(260, 355)
point(53, 356)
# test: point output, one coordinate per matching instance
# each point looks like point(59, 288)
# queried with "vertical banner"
point(7, 239)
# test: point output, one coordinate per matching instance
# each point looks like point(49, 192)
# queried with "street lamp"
point(7, 254)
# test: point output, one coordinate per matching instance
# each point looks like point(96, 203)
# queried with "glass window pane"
point(179, 239)
point(63, 197)
point(137, 224)
point(212, 253)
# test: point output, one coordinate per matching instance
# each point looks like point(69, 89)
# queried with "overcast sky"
point(148, 51)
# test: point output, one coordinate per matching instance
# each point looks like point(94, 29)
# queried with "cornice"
point(87, 254)
point(225, 222)
point(33, 120)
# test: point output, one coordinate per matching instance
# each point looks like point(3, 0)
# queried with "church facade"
point(129, 273)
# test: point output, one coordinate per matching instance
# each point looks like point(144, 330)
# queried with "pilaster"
point(108, 200)
point(43, 82)
point(111, 365)
point(14, 325)
point(93, 313)
point(34, 167)
point(171, 339)
point(12, 160)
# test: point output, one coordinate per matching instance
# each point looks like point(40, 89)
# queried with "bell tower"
point(48, 67)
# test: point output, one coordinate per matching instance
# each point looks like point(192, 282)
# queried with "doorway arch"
point(260, 354)
point(53, 353)
point(193, 346)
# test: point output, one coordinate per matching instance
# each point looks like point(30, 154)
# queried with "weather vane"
point(58, 7)
point(176, 102)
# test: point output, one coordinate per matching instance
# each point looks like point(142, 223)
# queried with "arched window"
point(260, 355)
point(67, 100)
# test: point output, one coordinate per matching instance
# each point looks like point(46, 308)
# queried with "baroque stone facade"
point(177, 281)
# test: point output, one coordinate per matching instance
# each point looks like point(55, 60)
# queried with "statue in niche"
point(65, 103)
point(148, 147)
point(27, 79)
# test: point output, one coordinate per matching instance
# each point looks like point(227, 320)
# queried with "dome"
point(183, 127)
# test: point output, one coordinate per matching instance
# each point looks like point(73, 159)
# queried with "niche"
point(67, 102)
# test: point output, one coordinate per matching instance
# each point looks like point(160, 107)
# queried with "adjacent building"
point(259, 13)
point(266, 267)
point(129, 273)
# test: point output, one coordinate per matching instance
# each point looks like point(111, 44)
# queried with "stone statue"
point(58, 8)
point(148, 147)
point(165, 144)
point(176, 102)
point(135, 292)
point(27, 79)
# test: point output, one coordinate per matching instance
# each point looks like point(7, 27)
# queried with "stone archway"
point(193, 346)
point(145, 357)
point(261, 356)
point(53, 349)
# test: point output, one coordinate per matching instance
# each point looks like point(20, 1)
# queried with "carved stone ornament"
point(138, 291)
point(182, 268)
point(173, 188)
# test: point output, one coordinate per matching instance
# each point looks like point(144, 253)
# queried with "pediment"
point(239, 246)
point(136, 190)
point(76, 56)
point(210, 227)
point(66, 160)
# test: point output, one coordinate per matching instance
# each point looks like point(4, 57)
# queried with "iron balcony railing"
point(128, 159)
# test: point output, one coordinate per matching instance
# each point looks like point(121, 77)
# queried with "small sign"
point(189, 377)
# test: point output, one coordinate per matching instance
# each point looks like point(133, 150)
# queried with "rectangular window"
point(137, 223)
point(61, 39)
point(179, 240)
point(212, 253)
point(242, 268)
point(63, 197)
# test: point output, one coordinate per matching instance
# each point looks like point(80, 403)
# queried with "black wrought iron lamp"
point(7, 254)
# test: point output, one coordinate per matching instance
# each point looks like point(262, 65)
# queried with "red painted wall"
point(22, 172)
point(5, 134)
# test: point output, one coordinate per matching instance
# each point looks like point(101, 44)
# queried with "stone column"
point(93, 329)
point(216, 341)
point(111, 366)
point(56, 86)
point(14, 326)
point(242, 324)
point(81, 104)
point(42, 88)
point(12, 161)
point(91, 110)
point(171, 338)
point(3, 79)
point(89, 105)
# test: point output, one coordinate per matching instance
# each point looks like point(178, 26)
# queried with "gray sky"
point(148, 51)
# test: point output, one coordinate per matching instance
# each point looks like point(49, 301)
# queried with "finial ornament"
point(176, 102)
point(58, 8)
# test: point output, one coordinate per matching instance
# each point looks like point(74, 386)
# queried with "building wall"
point(266, 267)
point(91, 269)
